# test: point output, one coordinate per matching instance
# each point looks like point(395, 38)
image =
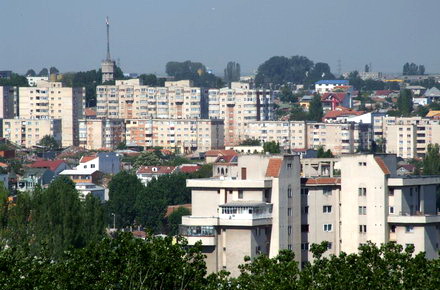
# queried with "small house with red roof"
point(341, 113)
point(147, 173)
point(211, 156)
point(189, 168)
point(54, 165)
point(330, 101)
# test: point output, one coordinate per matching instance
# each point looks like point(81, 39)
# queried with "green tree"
point(298, 114)
point(232, 72)
point(272, 147)
point(124, 190)
point(431, 161)
point(315, 109)
point(405, 103)
point(43, 73)
point(30, 73)
point(194, 71)
point(286, 95)
point(49, 143)
point(147, 158)
point(250, 142)
point(324, 154)
point(16, 80)
point(175, 219)
point(53, 70)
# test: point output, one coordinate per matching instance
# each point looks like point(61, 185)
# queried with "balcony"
point(245, 214)
point(418, 218)
point(228, 183)
point(205, 234)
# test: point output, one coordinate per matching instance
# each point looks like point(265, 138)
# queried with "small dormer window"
point(154, 169)
point(85, 166)
point(92, 165)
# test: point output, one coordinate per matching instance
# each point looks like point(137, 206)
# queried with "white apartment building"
point(129, 99)
point(32, 81)
point(408, 137)
point(326, 86)
point(28, 132)
point(355, 207)
point(50, 100)
point(251, 208)
point(181, 135)
point(340, 138)
point(238, 107)
point(97, 134)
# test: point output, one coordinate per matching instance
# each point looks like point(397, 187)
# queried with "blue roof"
point(332, 82)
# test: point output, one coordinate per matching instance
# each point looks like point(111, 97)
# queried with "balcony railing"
point(246, 211)
point(197, 231)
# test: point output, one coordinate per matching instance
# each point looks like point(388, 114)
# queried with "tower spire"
point(108, 37)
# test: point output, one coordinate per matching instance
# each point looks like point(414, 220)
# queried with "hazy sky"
point(146, 34)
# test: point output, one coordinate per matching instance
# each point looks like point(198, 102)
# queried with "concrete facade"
point(28, 132)
point(101, 133)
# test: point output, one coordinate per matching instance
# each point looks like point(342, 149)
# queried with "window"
point(327, 209)
point(240, 194)
point(306, 209)
point(92, 165)
point(289, 191)
point(409, 229)
point(393, 228)
point(362, 210)
point(327, 191)
point(305, 246)
point(328, 227)
point(362, 191)
point(289, 211)
point(391, 209)
point(289, 230)
point(329, 245)
point(305, 191)
point(304, 228)
point(289, 165)
point(362, 163)
point(289, 247)
point(362, 228)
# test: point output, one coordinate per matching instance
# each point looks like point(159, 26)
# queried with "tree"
point(43, 73)
point(324, 154)
point(15, 80)
point(405, 103)
point(413, 69)
point(298, 114)
point(147, 158)
point(124, 191)
point(320, 71)
point(315, 109)
point(54, 70)
point(272, 147)
point(49, 142)
point(149, 80)
point(250, 142)
point(431, 161)
point(194, 71)
point(232, 72)
point(286, 95)
point(175, 219)
point(30, 73)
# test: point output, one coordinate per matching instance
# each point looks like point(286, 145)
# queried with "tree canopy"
point(405, 103)
point(315, 110)
point(194, 71)
point(232, 72)
point(49, 142)
point(272, 147)
point(413, 69)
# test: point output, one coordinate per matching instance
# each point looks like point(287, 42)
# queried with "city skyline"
point(145, 34)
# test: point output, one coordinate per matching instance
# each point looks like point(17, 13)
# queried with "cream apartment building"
point(408, 137)
point(355, 207)
point(182, 135)
point(239, 106)
point(250, 209)
point(340, 138)
point(129, 99)
point(97, 134)
point(50, 100)
point(28, 132)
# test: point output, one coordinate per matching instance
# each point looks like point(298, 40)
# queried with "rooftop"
point(332, 82)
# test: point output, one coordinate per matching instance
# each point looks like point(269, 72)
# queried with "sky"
point(146, 34)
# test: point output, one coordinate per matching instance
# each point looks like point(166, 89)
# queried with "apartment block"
point(340, 138)
point(353, 208)
point(50, 100)
point(238, 107)
point(407, 137)
point(28, 132)
point(251, 208)
point(97, 134)
point(8, 97)
point(181, 135)
point(129, 99)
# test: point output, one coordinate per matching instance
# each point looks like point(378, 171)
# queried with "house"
point(56, 165)
point(189, 168)
point(86, 188)
point(433, 114)
point(147, 173)
point(382, 94)
point(332, 100)
point(416, 90)
point(325, 86)
point(212, 155)
point(341, 114)
point(305, 101)
point(406, 169)
point(33, 177)
point(433, 94)
point(421, 101)
point(105, 162)
point(89, 175)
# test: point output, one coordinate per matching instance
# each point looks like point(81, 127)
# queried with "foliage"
point(54, 70)
point(405, 103)
point(53, 220)
point(431, 161)
point(250, 142)
point(298, 114)
point(232, 72)
point(315, 109)
point(413, 69)
point(49, 142)
point(152, 80)
point(324, 154)
point(286, 95)
point(280, 70)
point(30, 73)
point(121, 146)
point(175, 219)
point(43, 73)
point(147, 158)
point(15, 81)
point(194, 71)
point(272, 147)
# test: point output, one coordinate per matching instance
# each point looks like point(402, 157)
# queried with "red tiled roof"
point(339, 96)
point(172, 208)
point(382, 165)
point(323, 180)
point(408, 167)
point(4, 165)
point(273, 168)
point(189, 168)
point(156, 169)
point(383, 92)
point(225, 159)
point(342, 111)
point(85, 159)
point(89, 112)
point(52, 165)
point(215, 153)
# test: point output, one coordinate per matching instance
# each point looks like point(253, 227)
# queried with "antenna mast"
point(108, 37)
